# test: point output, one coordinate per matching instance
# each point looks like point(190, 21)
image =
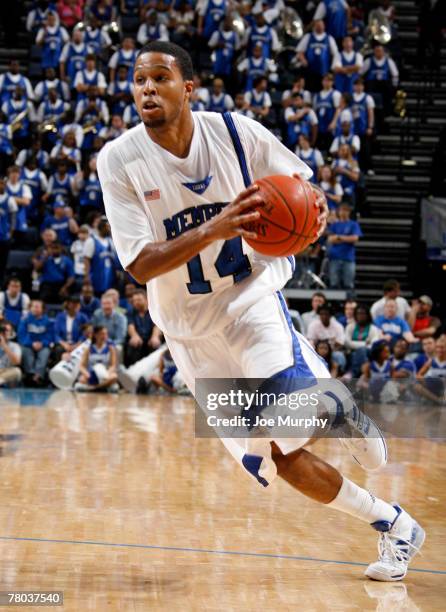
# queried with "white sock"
point(360, 503)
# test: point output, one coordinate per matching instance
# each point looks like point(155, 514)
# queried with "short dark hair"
point(324, 308)
point(390, 285)
point(182, 57)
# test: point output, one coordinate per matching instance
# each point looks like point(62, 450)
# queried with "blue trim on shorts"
point(252, 464)
point(292, 261)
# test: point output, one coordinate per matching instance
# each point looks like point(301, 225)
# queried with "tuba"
point(238, 25)
point(378, 30)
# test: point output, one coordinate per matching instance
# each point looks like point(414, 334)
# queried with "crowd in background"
point(321, 96)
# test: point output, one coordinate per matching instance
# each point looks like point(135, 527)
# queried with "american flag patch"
point(152, 194)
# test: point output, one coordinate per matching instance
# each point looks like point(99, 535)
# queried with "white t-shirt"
point(78, 251)
point(402, 307)
point(147, 200)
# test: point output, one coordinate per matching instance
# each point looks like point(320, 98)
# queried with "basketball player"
point(177, 195)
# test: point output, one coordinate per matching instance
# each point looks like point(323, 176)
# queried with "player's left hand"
point(321, 203)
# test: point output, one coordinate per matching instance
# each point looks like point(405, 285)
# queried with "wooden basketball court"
point(112, 500)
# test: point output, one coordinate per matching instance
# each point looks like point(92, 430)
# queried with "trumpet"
point(16, 123)
point(378, 30)
point(49, 125)
point(90, 127)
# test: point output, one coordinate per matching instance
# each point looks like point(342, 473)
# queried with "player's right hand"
point(229, 223)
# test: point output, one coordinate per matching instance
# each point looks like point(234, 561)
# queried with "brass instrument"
point(49, 125)
point(292, 24)
point(90, 127)
point(400, 103)
point(378, 30)
point(238, 24)
point(16, 124)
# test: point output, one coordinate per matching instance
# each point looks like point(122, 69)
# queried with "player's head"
point(163, 83)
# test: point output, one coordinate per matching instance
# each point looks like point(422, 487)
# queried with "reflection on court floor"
point(112, 500)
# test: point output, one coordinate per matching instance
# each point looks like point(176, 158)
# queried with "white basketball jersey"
point(151, 195)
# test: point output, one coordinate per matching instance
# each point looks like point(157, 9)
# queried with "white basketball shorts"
point(258, 344)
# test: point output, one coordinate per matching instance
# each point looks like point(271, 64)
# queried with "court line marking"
point(209, 551)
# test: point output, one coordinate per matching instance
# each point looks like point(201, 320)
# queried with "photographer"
point(10, 356)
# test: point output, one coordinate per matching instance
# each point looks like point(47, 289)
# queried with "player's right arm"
point(133, 237)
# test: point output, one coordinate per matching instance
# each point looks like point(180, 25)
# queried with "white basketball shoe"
point(397, 544)
point(367, 446)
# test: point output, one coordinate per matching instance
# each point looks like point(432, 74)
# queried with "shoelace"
point(390, 548)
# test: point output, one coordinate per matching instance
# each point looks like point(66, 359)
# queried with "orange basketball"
point(288, 222)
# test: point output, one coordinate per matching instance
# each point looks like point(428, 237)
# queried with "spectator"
point(36, 151)
point(19, 120)
point(48, 236)
point(42, 89)
point(151, 29)
point(89, 77)
point(297, 87)
point(62, 222)
point(167, 376)
point(126, 302)
point(391, 290)
point(6, 148)
point(323, 349)
point(89, 303)
point(360, 335)
point(432, 375)
point(19, 190)
point(346, 137)
point(116, 128)
point(61, 186)
point(100, 259)
point(38, 16)
point(92, 114)
point(346, 66)
point(342, 238)
point(401, 366)
point(325, 327)
point(97, 39)
point(312, 157)
point(70, 12)
point(89, 188)
point(331, 187)
point(97, 370)
point(257, 65)
point(347, 316)
point(224, 43)
point(219, 101)
point(51, 37)
point(347, 171)
point(376, 373)
point(72, 58)
point(68, 152)
point(103, 11)
point(317, 299)
point(258, 99)
point(261, 32)
point(115, 296)
point(182, 24)
point(325, 104)
point(428, 346)
point(241, 106)
point(10, 356)
point(9, 81)
point(210, 14)
point(36, 180)
point(115, 322)
point(300, 119)
point(144, 336)
point(57, 275)
point(391, 325)
point(381, 76)
point(14, 304)
point(35, 336)
point(316, 52)
point(124, 56)
point(8, 211)
point(68, 327)
point(420, 320)
point(120, 91)
point(335, 14)
point(77, 250)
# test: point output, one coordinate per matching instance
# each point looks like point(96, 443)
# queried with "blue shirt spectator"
point(35, 327)
point(113, 321)
point(392, 326)
point(89, 303)
point(68, 324)
point(343, 236)
point(62, 222)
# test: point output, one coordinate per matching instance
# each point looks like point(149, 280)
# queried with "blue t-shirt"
point(394, 327)
point(420, 361)
point(344, 250)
